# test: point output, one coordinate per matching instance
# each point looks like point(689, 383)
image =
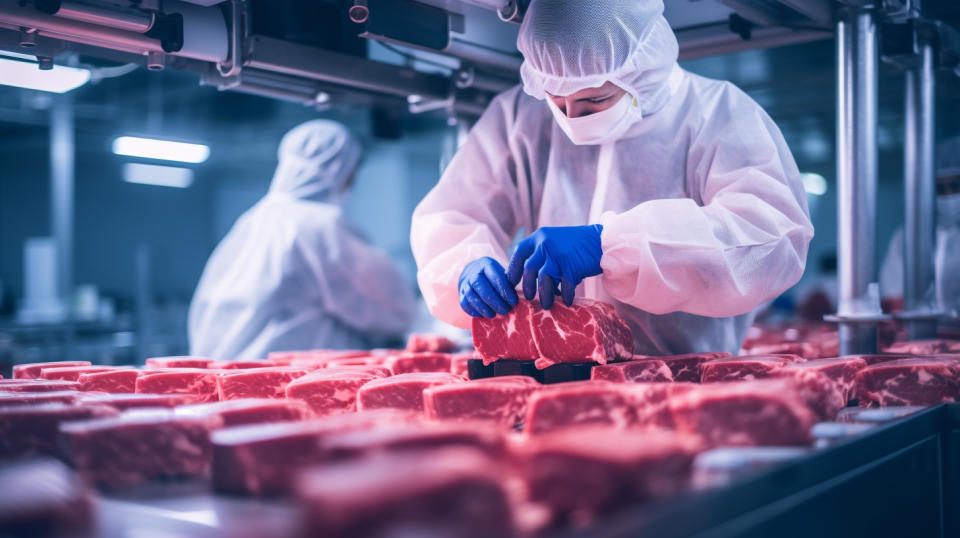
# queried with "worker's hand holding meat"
point(485, 290)
point(552, 256)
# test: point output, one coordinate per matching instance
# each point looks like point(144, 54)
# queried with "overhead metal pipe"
point(859, 304)
point(919, 195)
point(131, 20)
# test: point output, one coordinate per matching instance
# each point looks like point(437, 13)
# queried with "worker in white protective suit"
point(946, 292)
point(676, 192)
point(292, 273)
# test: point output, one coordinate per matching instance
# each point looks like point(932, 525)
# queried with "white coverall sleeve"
point(471, 213)
point(360, 284)
point(745, 245)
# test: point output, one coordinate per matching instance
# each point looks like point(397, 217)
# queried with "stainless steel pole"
point(62, 170)
point(857, 179)
point(919, 196)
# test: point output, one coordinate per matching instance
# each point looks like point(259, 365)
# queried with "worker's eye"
point(598, 100)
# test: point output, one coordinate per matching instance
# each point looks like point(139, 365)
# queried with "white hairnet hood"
point(316, 159)
point(570, 45)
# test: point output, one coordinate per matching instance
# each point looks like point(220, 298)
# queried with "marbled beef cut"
point(139, 446)
point(760, 412)
point(179, 362)
point(23, 398)
point(404, 391)
point(633, 371)
point(583, 473)
point(686, 367)
point(331, 391)
point(125, 401)
point(73, 373)
point(740, 368)
point(831, 379)
point(32, 430)
point(501, 400)
point(428, 361)
point(200, 383)
point(578, 403)
point(414, 436)
point(459, 364)
point(918, 347)
point(257, 382)
point(248, 411)
point(32, 370)
point(506, 337)
point(112, 381)
point(37, 385)
point(240, 365)
point(588, 331)
point(430, 342)
point(447, 492)
point(920, 381)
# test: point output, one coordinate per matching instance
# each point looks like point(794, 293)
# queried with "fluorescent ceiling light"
point(162, 176)
point(166, 150)
point(814, 184)
point(22, 71)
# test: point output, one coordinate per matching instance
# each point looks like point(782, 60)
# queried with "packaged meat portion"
point(112, 381)
point(330, 391)
point(741, 368)
point(639, 370)
point(404, 391)
point(919, 381)
point(23, 398)
point(122, 402)
point(37, 385)
point(448, 492)
point(256, 382)
point(721, 466)
point(32, 370)
point(43, 497)
point(588, 331)
point(248, 411)
point(72, 373)
point(430, 342)
point(584, 472)
point(506, 337)
point(197, 382)
point(262, 459)
point(918, 347)
point(760, 412)
point(140, 446)
point(32, 430)
point(406, 363)
point(501, 400)
point(829, 381)
point(179, 362)
point(240, 364)
point(686, 367)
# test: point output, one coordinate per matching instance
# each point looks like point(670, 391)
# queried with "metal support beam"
point(62, 170)
point(859, 302)
point(919, 195)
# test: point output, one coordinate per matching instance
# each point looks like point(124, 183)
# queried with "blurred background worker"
point(947, 261)
point(292, 273)
point(678, 191)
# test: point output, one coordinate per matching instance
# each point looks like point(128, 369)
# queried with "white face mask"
point(604, 126)
point(948, 210)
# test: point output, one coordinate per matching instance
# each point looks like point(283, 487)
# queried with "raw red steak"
point(404, 391)
point(918, 347)
point(32, 370)
point(406, 363)
point(635, 371)
point(330, 392)
point(257, 382)
point(740, 368)
point(502, 400)
point(430, 342)
point(37, 385)
point(840, 373)
point(240, 365)
point(32, 430)
point(179, 362)
point(137, 447)
point(458, 363)
point(687, 367)
point(23, 398)
point(44, 498)
point(761, 412)
point(263, 459)
point(360, 443)
point(248, 411)
point(506, 337)
point(124, 401)
point(578, 403)
point(589, 331)
point(908, 382)
point(582, 473)
point(650, 403)
point(112, 381)
point(72, 373)
point(357, 361)
point(448, 492)
point(807, 350)
point(882, 357)
point(197, 382)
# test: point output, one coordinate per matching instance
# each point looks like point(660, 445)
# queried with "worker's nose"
point(575, 109)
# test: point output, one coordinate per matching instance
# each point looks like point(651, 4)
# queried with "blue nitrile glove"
point(485, 290)
point(563, 255)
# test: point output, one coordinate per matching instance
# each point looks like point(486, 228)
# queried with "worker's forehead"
point(605, 89)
